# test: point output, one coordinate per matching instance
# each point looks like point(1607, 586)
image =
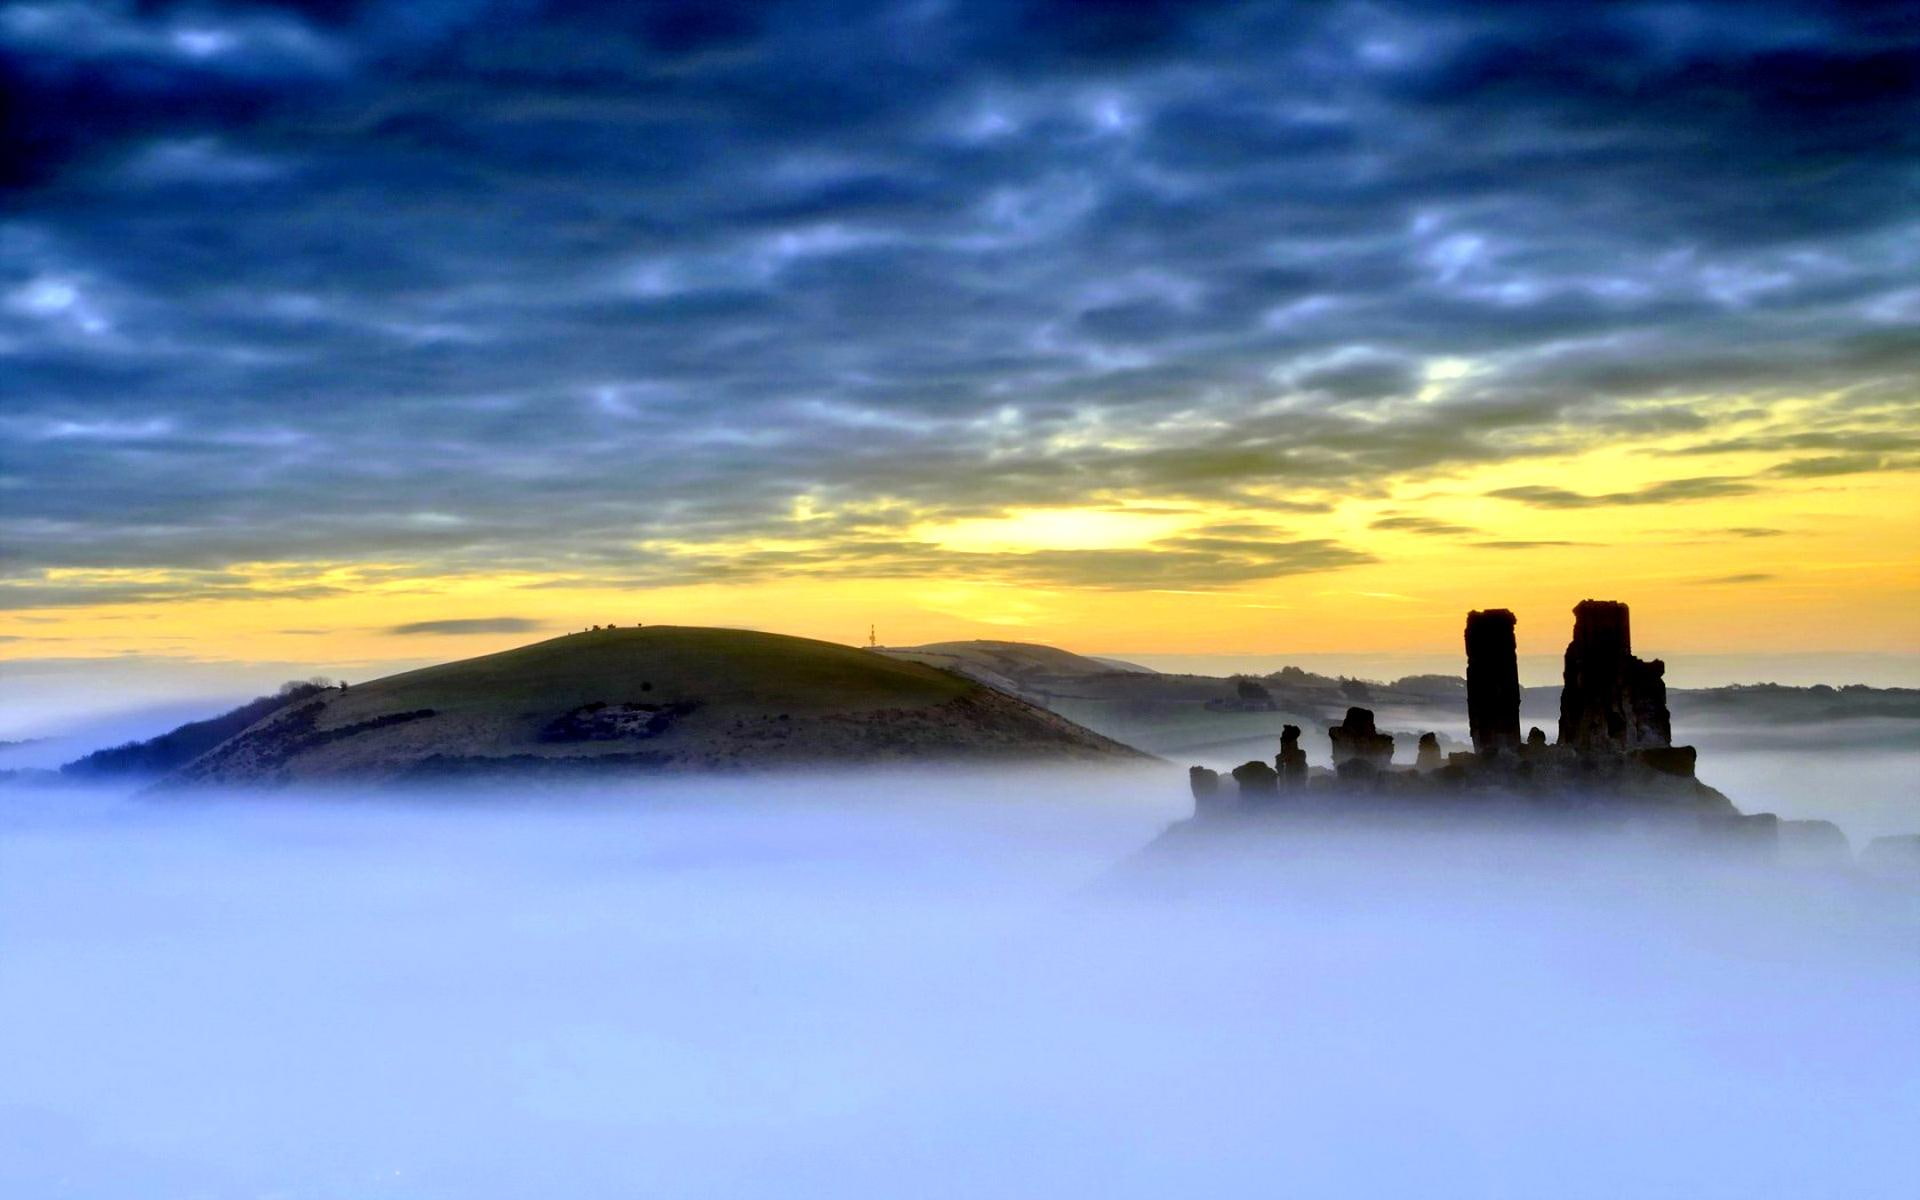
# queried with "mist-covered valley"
point(935, 983)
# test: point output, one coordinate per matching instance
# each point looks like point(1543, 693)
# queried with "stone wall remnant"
point(1493, 681)
point(1292, 760)
point(1257, 781)
point(1611, 700)
point(1206, 789)
point(1429, 757)
point(1355, 738)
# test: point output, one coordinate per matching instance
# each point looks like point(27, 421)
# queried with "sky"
point(374, 332)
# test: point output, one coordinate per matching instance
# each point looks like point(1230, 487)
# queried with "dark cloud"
point(1409, 524)
point(1854, 441)
point(1744, 577)
point(1363, 376)
point(64, 592)
point(469, 625)
point(1666, 492)
point(580, 287)
point(1832, 464)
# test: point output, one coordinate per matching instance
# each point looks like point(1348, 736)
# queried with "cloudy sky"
point(397, 328)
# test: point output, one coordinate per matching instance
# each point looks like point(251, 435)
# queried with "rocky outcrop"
point(1292, 760)
point(1206, 788)
point(1668, 760)
point(1749, 835)
point(1611, 700)
point(1356, 740)
point(1814, 845)
point(1429, 757)
point(1257, 781)
point(1493, 681)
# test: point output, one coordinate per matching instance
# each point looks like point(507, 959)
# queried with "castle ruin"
point(1615, 737)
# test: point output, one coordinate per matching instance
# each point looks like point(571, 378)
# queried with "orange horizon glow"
point(1807, 566)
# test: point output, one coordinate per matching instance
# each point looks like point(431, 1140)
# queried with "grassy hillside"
point(727, 669)
point(155, 756)
point(672, 697)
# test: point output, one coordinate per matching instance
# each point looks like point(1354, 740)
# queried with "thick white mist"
point(930, 986)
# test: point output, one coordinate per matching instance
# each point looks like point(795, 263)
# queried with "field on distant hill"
point(661, 697)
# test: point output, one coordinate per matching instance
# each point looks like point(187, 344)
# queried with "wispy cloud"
point(469, 625)
point(1411, 524)
point(1667, 492)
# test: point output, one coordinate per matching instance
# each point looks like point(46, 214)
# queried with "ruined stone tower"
point(1493, 682)
point(1357, 739)
point(1611, 700)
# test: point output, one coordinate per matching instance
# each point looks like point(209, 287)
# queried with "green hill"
point(661, 697)
point(155, 756)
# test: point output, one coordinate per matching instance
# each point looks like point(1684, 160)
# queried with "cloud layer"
point(603, 290)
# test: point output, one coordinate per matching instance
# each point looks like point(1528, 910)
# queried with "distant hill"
point(1176, 714)
point(660, 697)
point(1022, 668)
point(1777, 704)
point(156, 756)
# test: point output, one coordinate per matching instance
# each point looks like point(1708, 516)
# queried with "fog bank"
point(930, 985)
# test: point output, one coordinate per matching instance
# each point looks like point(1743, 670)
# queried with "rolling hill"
point(654, 698)
point(156, 756)
point(1182, 715)
point(1160, 713)
point(1022, 668)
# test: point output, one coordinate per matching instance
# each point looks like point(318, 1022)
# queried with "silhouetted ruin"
point(1611, 700)
point(1292, 760)
point(1614, 754)
point(1257, 780)
point(1429, 757)
point(1356, 740)
point(1206, 788)
point(1493, 682)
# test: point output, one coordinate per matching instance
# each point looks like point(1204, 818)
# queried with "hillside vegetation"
point(155, 756)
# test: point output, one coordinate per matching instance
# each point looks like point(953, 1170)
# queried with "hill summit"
point(658, 697)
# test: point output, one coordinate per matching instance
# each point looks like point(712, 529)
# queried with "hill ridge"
point(657, 697)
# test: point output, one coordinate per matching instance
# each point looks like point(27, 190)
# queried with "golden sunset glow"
point(1821, 564)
